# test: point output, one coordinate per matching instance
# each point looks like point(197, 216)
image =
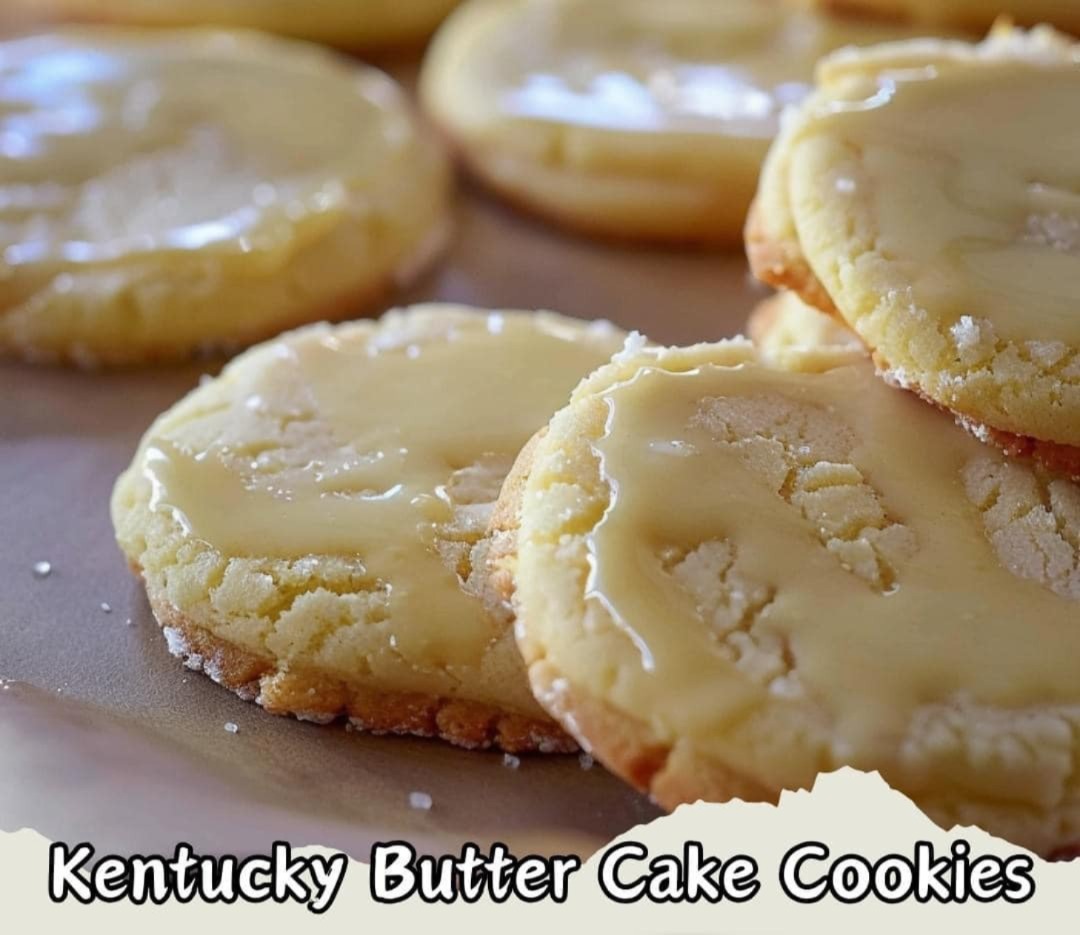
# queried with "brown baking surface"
point(104, 737)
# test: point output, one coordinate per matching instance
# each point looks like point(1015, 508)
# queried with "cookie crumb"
point(510, 761)
point(421, 801)
point(585, 760)
point(232, 728)
point(106, 608)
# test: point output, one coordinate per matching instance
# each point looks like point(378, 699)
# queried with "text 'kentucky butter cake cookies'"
point(311, 525)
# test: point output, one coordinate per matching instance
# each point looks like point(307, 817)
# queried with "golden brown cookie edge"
point(319, 698)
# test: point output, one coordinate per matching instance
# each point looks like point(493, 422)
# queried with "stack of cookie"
point(736, 567)
point(723, 568)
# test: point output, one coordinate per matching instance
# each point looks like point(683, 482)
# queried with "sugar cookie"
point(802, 570)
point(163, 193)
point(783, 326)
point(627, 118)
point(926, 193)
point(308, 524)
point(353, 24)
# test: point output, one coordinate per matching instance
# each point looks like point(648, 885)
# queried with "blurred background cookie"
point(168, 192)
point(970, 14)
point(927, 194)
point(731, 577)
point(627, 118)
point(784, 328)
point(353, 24)
point(308, 524)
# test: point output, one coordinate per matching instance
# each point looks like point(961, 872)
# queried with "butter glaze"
point(985, 222)
point(377, 444)
point(867, 650)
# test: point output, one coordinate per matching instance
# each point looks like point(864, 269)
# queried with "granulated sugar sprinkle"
point(421, 801)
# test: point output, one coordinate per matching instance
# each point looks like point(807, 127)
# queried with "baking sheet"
point(105, 737)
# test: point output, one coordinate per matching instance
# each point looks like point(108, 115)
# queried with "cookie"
point(309, 524)
point(351, 24)
point(167, 193)
point(626, 118)
point(924, 194)
point(970, 14)
point(785, 330)
point(732, 577)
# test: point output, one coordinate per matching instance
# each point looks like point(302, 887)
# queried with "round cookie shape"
point(627, 118)
point(967, 14)
point(925, 193)
point(168, 193)
point(311, 524)
point(351, 24)
point(732, 577)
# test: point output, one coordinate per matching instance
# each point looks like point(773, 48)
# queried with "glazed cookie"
point(926, 194)
point(165, 193)
point(781, 588)
point(970, 14)
point(353, 24)
point(309, 524)
point(783, 328)
point(627, 118)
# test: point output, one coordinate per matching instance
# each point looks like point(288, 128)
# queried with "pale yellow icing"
point(377, 441)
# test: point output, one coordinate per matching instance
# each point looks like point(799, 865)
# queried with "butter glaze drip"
point(381, 441)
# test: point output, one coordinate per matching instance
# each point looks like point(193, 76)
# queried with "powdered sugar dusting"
point(1056, 231)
